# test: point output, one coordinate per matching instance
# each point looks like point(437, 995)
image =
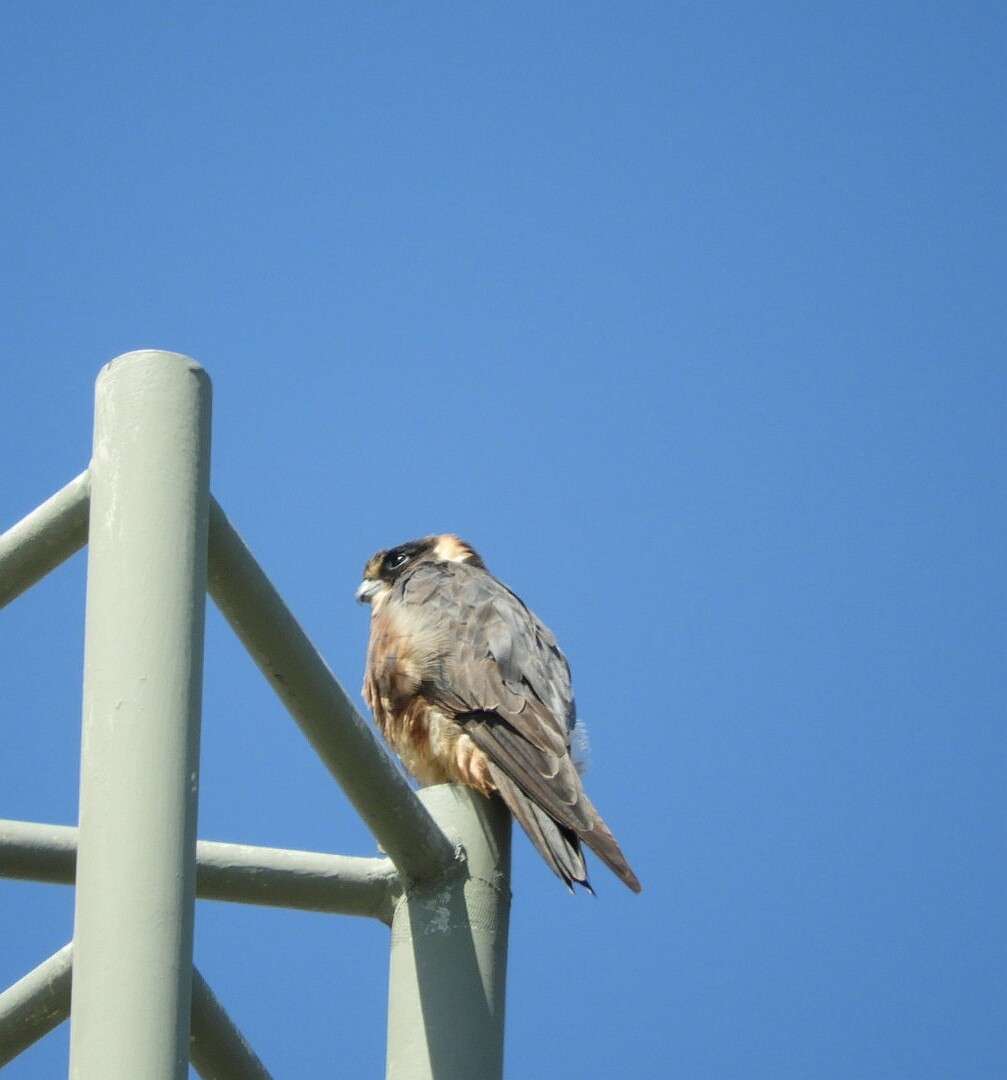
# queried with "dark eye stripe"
point(396, 558)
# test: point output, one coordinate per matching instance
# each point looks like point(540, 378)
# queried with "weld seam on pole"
point(303, 682)
point(43, 539)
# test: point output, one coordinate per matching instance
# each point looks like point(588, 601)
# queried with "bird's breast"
point(405, 660)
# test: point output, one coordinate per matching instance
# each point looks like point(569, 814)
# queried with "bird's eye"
point(397, 559)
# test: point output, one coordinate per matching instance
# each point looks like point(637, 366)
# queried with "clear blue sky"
point(690, 318)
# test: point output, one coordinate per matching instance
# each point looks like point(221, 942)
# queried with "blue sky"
point(690, 318)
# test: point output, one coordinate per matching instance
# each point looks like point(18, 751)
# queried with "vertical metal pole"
point(143, 656)
point(448, 964)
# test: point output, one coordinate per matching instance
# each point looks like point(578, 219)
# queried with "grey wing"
point(500, 658)
point(508, 684)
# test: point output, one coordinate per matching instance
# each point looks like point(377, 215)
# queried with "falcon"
point(467, 686)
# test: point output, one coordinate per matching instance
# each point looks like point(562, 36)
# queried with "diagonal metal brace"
point(303, 682)
point(43, 539)
point(40, 1001)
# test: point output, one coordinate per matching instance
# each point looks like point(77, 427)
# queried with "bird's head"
point(382, 570)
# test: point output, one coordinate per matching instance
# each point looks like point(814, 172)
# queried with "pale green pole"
point(341, 737)
point(143, 657)
point(35, 1004)
point(448, 965)
point(46, 537)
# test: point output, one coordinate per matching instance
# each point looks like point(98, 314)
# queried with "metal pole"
point(143, 653)
point(345, 742)
point(306, 880)
point(35, 1004)
point(217, 1049)
point(40, 1001)
point(278, 877)
point(448, 962)
point(33, 851)
point(39, 542)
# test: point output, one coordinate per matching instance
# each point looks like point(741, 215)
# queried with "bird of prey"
point(467, 686)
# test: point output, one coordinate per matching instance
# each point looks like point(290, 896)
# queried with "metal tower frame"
point(139, 1010)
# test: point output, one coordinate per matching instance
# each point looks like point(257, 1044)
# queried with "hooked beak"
point(366, 590)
